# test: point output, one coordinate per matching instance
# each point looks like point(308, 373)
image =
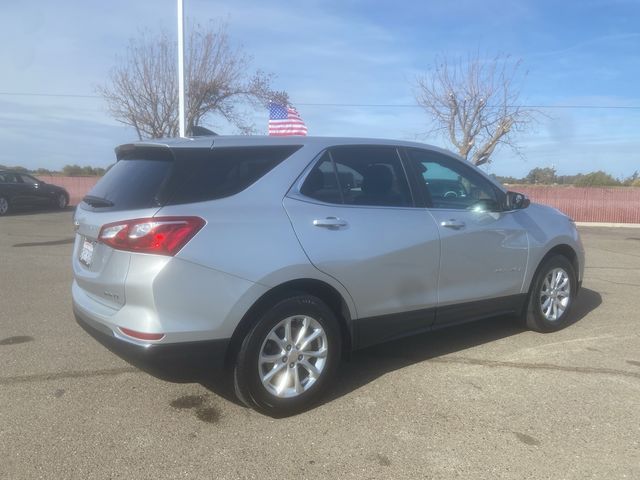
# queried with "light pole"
point(181, 67)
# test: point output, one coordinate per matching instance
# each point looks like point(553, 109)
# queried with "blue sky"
point(337, 52)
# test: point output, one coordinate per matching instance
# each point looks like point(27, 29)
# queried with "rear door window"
point(322, 182)
point(359, 175)
point(8, 177)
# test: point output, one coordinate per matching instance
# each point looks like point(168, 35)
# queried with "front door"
point(484, 250)
point(32, 190)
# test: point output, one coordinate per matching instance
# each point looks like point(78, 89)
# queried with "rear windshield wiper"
point(97, 201)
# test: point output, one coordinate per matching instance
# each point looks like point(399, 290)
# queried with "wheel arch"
point(562, 249)
point(566, 251)
point(324, 291)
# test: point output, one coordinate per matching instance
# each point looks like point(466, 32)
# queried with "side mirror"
point(516, 201)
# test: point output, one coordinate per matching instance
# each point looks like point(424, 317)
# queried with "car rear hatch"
point(146, 179)
point(135, 187)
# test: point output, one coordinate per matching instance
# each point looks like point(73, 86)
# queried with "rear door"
point(355, 218)
point(484, 249)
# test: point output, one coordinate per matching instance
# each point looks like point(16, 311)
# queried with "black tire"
point(247, 370)
point(5, 206)
point(61, 201)
point(534, 317)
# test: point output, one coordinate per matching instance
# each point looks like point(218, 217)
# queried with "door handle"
point(453, 223)
point(330, 222)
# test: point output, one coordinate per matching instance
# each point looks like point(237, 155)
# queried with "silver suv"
point(279, 255)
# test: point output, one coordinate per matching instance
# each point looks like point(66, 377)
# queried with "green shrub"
point(597, 179)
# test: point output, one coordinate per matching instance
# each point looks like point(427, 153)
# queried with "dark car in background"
point(19, 190)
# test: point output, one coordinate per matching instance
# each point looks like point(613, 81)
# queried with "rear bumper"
point(212, 352)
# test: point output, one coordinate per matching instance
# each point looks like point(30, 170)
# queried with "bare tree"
point(142, 90)
point(474, 103)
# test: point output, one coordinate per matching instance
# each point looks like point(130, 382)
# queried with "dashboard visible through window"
point(449, 185)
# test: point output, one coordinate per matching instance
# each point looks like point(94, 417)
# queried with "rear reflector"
point(141, 335)
point(158, 235)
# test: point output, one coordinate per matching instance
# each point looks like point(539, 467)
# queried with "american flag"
point(285, 120)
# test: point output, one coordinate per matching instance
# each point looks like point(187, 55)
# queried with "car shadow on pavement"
point(361, 368)
point(368, 364)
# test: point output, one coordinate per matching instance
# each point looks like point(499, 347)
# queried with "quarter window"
point(224, 171)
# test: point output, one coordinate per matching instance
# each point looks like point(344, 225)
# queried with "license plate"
point(86, 254)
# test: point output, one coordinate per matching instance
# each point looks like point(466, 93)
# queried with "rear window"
point(131, 184)
point(147, 178)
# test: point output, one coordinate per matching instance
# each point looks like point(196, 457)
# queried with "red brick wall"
point(583, 204)
point(589, 204)
point(76, 186)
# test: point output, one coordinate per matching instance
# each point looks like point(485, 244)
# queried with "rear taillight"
point(160, 235)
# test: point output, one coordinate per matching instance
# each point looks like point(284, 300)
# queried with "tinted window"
point(8, 177)
point(221, 172)
point(359, 176)
point(153, 177)
point(322, 182)
point(131, 184)
point(28, 180)
point(449, 184)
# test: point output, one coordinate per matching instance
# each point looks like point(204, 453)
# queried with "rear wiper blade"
point(97, 201)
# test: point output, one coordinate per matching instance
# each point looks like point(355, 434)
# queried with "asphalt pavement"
point(481, 401)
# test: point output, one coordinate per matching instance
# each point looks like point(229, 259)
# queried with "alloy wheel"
point(293, 356)
point(555, 294)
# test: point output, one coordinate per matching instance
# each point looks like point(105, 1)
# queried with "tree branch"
point(475, 102)
point(142, 90)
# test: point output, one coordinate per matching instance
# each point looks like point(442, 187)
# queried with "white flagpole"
point(181, 66)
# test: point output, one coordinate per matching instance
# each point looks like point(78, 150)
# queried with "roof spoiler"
point(198, 131)
point(143, 150)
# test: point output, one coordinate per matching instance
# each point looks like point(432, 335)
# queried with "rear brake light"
point(159, 235)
